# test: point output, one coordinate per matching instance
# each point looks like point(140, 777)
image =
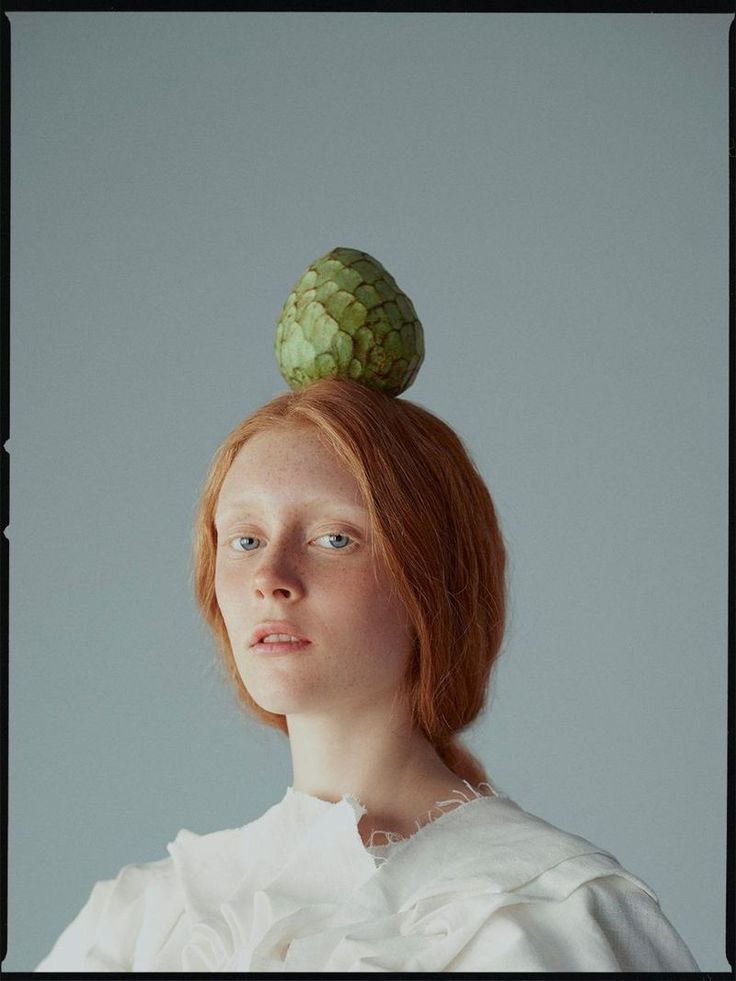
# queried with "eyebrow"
point(246, 507)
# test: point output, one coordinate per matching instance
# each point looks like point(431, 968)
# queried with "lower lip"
point(280, 647)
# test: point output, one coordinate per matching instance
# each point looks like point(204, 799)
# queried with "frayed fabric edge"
point(444, 806)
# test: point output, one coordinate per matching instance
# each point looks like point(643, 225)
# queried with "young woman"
point(349, 562)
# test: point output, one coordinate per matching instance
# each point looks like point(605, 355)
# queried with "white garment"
point(484, 887)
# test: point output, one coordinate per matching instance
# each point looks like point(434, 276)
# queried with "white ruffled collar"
point(300, 876)
point(303, 856)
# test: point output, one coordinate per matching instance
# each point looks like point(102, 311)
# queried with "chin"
point(275, 703)
point(277, 698)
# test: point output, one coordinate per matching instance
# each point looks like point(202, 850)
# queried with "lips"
point(278, 628)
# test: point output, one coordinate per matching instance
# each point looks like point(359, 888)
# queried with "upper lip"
point(275, 627)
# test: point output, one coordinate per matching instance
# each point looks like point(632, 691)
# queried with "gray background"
point(550, 190)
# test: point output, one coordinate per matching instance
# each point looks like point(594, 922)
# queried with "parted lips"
point(346, 318)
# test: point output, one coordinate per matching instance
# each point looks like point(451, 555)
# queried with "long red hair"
point(433, 526)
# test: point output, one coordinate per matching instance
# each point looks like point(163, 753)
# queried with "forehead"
point(287, 466)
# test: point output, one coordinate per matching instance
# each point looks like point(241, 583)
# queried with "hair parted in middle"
point(433, 528)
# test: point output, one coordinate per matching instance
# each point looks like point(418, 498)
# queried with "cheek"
point(219, 584)
point(227, 591)
point(386, 619)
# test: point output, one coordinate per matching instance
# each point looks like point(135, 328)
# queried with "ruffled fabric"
point(289, 874)
point(483, 887)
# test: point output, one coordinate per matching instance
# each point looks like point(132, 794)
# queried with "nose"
point(277, 576)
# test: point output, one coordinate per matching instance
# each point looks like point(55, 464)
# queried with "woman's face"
point(293, 547)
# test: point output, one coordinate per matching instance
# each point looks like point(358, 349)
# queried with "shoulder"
point(496, 838)
point(606, 923)
point(104, 933)
point(522, 894)
point(130, 919)
point(140, 916)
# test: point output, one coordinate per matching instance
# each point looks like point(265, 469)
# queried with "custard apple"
point(346, 318)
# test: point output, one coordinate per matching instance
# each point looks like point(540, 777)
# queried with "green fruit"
point(346, 318)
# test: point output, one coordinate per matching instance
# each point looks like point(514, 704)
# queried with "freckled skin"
point(360, 633)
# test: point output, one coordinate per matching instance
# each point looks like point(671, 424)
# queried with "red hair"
point(434, 528)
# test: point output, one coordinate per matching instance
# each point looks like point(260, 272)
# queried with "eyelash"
point(329, 534)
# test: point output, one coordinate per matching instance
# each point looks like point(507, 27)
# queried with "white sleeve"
point(70, 950)
point(104, 935)
point(606, 924)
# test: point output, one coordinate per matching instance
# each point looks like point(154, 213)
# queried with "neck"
point(391, 768)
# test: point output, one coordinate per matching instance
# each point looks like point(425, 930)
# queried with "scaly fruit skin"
point(346, 318)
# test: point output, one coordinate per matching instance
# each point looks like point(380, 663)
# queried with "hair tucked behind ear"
point(434, 528)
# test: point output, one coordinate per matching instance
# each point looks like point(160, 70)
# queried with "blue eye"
point(247, 543)
point(243, 538)
point(333, 540)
